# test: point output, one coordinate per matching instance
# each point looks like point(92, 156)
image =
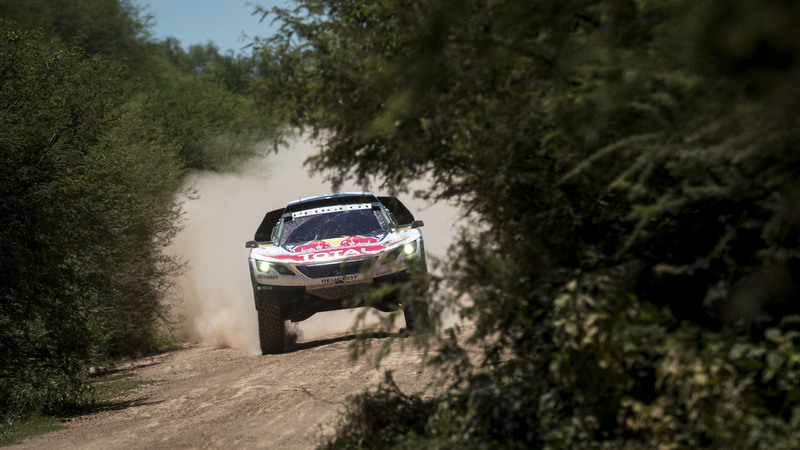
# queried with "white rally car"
point(317, 253)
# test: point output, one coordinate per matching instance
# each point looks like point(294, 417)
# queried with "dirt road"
point(204, 397)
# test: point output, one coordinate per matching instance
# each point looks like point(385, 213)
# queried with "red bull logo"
point(313, 245)
point(357, 240)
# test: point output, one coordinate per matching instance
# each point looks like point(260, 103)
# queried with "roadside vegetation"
point(630, 170)
point(98, 127)
point(105, 391)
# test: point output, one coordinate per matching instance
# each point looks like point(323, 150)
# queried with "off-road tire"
point(270, 322)
point(416, 310)
point(417, 316)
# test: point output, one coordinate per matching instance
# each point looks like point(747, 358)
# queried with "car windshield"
point(335, 224)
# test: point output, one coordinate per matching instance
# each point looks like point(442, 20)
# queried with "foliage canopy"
point(632, 167)
point(98, 127)
point(80, 263)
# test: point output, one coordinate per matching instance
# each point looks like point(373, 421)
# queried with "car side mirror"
point(417, 224)
point(251, 244)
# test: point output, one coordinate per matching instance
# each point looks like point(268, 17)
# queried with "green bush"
point(629, 173)
point(88, 202)
point(98, 126)
point(380, 419)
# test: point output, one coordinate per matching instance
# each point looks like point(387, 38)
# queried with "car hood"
point(324, 250)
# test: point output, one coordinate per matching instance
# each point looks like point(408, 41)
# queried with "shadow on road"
point(351, 337)
point(124, 404)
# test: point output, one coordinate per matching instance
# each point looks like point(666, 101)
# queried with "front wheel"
point(270, 322)
point(417, 316)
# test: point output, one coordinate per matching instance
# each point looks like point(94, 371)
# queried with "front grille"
point(337, 269)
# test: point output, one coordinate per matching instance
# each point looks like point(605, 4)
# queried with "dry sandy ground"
point(224, 398)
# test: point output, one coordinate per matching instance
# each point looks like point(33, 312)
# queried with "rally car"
point(316, 254)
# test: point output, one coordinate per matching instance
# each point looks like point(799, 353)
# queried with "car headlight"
point(266, 266)
point(406, 250)
point(263, 266)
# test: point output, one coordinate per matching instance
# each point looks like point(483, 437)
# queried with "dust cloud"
point(216, 294)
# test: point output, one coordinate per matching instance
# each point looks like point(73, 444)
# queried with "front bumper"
point(329, 274)
point(304, 289)
point(298, 303)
